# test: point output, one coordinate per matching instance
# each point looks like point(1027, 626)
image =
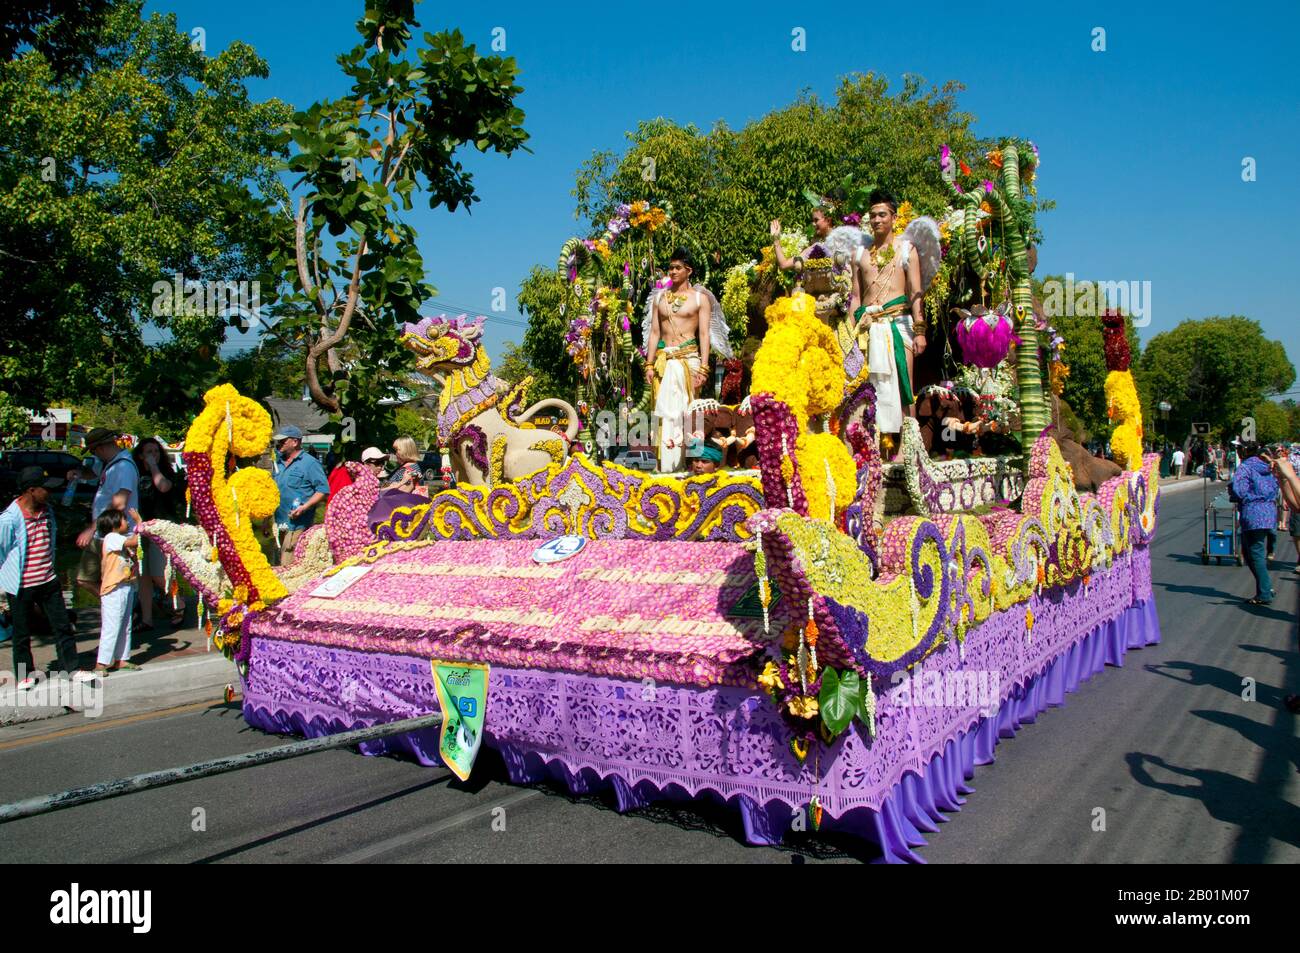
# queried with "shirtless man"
point(677, 356)
point(887, 303)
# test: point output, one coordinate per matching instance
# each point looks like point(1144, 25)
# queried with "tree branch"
point(300, 253)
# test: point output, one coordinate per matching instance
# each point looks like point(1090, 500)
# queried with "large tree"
point(350, 266)
point(725, 185)
point(146, 161)
point(1216, 370)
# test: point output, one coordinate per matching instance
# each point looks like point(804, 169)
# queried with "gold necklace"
point(885, 256)
point(675, 301)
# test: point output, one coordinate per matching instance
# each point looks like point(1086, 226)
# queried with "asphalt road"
point(1183, 767)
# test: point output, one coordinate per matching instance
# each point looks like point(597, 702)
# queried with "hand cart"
point(1222, 532)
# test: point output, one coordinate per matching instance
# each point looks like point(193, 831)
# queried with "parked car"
point(431, 465)
point(55, 463)
point(637, 459)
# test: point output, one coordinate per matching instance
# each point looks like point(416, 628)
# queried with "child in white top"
point(116, 592)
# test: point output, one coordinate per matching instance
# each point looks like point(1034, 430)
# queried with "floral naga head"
point(1122, 403)
point(227, 503)
point(800, 366)
point(1115, 340)
point(442, 343)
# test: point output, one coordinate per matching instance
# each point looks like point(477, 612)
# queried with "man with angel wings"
point(683, 326)
point(890, 276)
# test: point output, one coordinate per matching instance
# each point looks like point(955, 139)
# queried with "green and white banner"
point(462, 695)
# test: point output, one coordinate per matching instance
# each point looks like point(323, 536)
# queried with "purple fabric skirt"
point(646, 743)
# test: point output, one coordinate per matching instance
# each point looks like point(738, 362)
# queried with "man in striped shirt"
point(27, 540)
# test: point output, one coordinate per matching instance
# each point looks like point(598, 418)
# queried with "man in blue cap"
point(303, 486)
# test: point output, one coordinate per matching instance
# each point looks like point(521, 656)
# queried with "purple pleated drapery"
point(646, 742)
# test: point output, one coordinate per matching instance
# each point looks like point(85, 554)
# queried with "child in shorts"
point(118, 576)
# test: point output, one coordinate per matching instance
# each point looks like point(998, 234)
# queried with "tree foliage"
point(543, 347)
point(725, 185)
point(147, 160)
point(1217, 369)
point(65, 34)
point(1272, 422)
point(349, 265)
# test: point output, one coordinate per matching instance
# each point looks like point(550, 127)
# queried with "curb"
point(151, 683)
point(1183, 484)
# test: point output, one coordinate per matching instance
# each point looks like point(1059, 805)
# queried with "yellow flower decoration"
point(903, 217)
point(826, 468)
point(770, 678)
point(1123, 406)
point(232, 424)
point(254, 492)
point(735, 298)
point(803, 706)
point(800, 362)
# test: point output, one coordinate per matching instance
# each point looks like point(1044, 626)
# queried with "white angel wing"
point(923, 234)
point(703, 405)
point(846, 239)
point(650, 301)
point(719, 343)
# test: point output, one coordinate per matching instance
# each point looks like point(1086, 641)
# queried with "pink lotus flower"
point(985, 339)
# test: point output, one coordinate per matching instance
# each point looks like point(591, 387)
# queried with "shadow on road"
point(1271, 739)
point(1265, 612)
point(1285, 656)
point(1226, 597)
point(1259, 815)
point(1198, 674)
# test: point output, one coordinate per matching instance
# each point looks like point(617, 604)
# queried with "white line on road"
point(464, 817)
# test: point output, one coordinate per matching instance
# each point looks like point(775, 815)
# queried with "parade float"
point(788, 641)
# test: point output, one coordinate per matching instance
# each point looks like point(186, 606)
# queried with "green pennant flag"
point(750, 605)
point(462, 695)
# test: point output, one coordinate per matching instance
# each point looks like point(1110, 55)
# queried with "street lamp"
point(1164, 407)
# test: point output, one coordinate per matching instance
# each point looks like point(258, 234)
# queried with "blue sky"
point(1142, 145)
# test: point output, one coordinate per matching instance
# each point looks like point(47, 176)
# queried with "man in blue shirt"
point(303, 486)
point(117, 471)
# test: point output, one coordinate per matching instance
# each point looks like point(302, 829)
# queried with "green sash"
point(900, 349)
point(900, 358)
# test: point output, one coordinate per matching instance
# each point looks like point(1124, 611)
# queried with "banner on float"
point(462, 695)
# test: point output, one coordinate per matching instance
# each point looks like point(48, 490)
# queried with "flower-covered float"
point(764, 640)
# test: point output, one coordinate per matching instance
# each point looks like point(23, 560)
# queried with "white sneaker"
point(84, 676)
point(31, 681)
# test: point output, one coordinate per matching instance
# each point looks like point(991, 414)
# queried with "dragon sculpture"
point(479, 417)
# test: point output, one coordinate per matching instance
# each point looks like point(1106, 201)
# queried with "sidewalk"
point(1178, 483)
point(173, 663)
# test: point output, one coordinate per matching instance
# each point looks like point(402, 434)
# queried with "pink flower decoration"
point(985, 339)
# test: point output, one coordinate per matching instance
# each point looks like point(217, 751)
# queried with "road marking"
point(99, 726)
point(456, 820)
